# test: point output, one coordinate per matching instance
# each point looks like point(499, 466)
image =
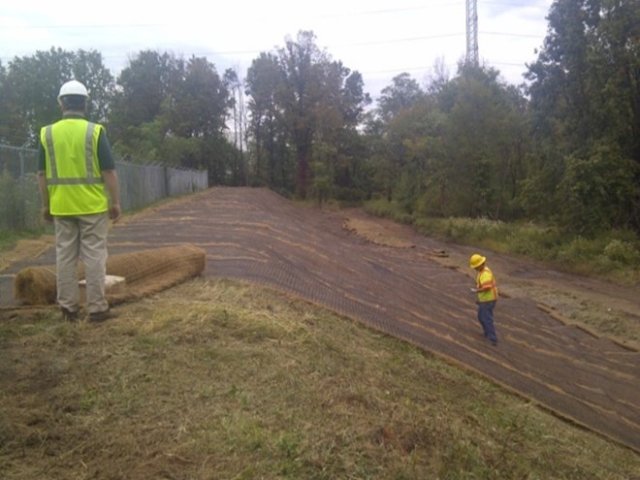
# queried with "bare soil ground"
point(568, 343)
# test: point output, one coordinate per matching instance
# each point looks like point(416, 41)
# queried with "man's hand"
point(46, 215)
point(115, 212)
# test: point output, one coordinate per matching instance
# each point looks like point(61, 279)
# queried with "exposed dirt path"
point(408, 291)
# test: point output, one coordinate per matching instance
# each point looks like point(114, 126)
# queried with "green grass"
point(614, 255)
point(220, 379)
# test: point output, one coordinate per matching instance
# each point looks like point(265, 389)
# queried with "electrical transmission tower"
point(472, 32)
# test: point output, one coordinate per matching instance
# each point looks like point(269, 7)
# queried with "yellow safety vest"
point(485, 279)
point(74, 179)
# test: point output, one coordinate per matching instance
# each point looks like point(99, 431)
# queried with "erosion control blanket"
point(253, 234)
point(146, 272)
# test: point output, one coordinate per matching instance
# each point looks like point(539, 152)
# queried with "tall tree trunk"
point(302, 174)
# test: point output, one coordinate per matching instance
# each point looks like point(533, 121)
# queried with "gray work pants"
point(83, 238)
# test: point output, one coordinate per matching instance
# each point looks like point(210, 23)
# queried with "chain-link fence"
point(140, 185)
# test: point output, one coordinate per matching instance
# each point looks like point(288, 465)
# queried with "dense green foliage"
point(562, 149)
point(585, 114)
point(29, 87)
point(613, 254)
point(159, 109)
point(304, 109)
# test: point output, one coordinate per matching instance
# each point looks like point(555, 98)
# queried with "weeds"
point(218, 379)
point(614, 254)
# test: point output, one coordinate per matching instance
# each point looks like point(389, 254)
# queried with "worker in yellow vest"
point(80, 192)
point(487, 295)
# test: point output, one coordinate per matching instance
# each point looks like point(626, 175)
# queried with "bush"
point(599, 190)
point(615, 254)
point(624, 252)
point(534, 240)
point(578, 251)
point(464, 230)
point(347, 195)
point(384, 208)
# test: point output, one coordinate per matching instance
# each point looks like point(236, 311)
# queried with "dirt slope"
point(406, 289)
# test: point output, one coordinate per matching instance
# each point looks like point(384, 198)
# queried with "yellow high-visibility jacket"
point(485, 279)
point(74, 178)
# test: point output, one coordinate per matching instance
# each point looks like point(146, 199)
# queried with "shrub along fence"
point(140, 185)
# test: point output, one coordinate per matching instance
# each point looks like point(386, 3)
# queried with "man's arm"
point(42, 184)
point(110, 178)
point(109, 175)
point(44, 196)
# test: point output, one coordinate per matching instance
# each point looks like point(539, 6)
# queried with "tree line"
point(563, 148)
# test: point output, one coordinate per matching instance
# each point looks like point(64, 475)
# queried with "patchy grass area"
point(19, 248)
point(613, 255)
point(376, 233)
point(224, 380)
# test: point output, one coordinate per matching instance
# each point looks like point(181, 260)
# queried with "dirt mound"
point(377, 232)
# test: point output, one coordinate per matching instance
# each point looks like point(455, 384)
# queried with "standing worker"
point(80, 192)
point(487, 295)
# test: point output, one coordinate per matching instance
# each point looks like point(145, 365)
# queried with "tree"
point(32, 84)
point(337, 149)
point(599, 190)
point(457, 150)
point(5, 121)
point(265, 126)
point(175, 111)
point(305, 104)
point(197, 103)
point(300, 95)
point(143, 86)
point(403, 93)
point(485, 141)
point(585, 100)
point(88, 67)
point(236, 101)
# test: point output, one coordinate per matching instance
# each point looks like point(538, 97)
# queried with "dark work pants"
point(485, 316)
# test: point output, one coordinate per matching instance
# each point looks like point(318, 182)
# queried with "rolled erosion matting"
point(145, 272)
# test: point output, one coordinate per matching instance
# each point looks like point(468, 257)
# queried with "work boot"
point(68, 315)
point(99, 317)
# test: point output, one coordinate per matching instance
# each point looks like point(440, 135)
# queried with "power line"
point(394, 10)
point(398, 40)
point(153, 25)
point(512, 4)
point(508, 34)
point(342, 45)
point(110, 25)
point(421, 68)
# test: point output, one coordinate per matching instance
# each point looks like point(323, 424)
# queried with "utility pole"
point(472, 32)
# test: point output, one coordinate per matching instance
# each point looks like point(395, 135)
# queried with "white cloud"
point(379, 38)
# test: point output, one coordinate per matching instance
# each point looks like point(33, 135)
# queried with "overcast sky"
point(379, 38)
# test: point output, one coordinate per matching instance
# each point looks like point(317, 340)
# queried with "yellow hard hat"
point(476, 260)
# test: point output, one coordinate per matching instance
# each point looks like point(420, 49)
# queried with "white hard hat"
point(73, 87)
